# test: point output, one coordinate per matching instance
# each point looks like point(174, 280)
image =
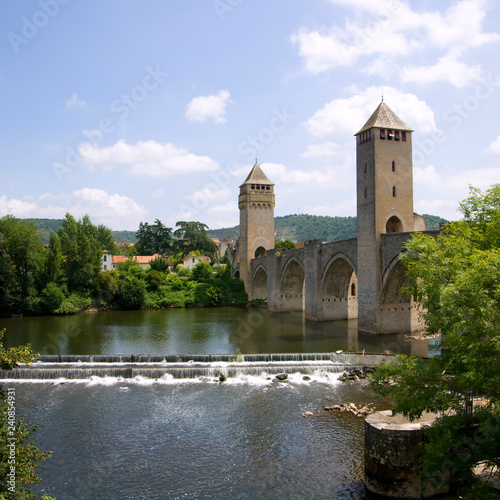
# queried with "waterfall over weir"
point(189, 367)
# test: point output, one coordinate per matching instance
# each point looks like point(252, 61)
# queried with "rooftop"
point(257, 176)
point(384, 117)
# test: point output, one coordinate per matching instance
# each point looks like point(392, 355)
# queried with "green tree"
point(160, 264)
point(82, 253)
point(26, 456)
point(191, 236)
point(154, 238)
point(52, 296)
point(131, 292)
point(54, 259)
point(456, 280)
point(202, 272)
point(22, 262)
point(284, 244)
point(106, 239)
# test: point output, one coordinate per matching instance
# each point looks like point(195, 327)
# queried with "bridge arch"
point(259, 284)
point(339, 289)
point(397, 308)
point(292, 287)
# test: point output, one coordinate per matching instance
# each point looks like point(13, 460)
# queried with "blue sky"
point(133, 110)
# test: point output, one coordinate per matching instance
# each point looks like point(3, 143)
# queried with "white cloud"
point(209, 193)
point(113, 210)
point(348, 115)
point(147, 158)
point(283, 176)
point(320, 150)
point(75, 101)
point(427, 176)
point(447, 68)
point(230, 207)
point(386, 30)
point(439, 193)
point(200, 109)
point(494, 147)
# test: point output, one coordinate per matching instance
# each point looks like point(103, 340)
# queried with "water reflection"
point(196, 331)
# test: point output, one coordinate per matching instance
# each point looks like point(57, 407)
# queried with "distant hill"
point(309, 227)
point(46, 226)
point(295, 227)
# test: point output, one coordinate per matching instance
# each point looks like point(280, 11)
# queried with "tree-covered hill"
point(47, 226)
point(294, 227)
point(305, 227)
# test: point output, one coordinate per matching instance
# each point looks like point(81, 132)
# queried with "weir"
point(189, 367)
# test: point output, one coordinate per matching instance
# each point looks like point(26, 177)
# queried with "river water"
point(196, 438)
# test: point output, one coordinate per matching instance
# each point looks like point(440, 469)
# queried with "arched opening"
point(394, 225)
point(292, 287)
point(398, 313)
point(339, 291)
point(237, 273)
point(260, 252)
point(259, 284)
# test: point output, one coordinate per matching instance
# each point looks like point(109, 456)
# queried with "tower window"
point(253, 186)
point(382, 133)
point(366, 192)
point(403, 136)
point(369, 135)
point(353, 289)
point(257, 186)
point(267, 188)
point(366, 168)
point(394, 191)
point(390, 134)
point(393, 166)
point(396, 135)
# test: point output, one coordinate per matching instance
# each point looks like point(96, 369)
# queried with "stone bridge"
point(357, 278)
point(321, 280)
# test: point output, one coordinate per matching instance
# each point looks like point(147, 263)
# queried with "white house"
point(190, 261)
point(110, 261)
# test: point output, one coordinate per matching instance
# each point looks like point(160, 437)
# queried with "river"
point(196, 438)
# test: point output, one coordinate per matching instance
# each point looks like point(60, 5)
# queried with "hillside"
point(301, 227)
point(308, 227)
point(46, 226)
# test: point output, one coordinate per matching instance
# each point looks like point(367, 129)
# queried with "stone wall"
point(391, 460)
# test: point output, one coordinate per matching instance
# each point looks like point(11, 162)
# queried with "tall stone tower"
point(256, 204)
point(384, 173)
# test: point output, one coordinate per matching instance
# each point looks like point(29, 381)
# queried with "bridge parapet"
point(392, 245)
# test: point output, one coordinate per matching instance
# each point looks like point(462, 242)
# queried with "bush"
point(202, 272)
point(73, 304)
point(154, 279)
point(131, 293)
point(52, 296)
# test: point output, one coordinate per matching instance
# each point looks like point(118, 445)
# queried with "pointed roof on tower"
point(384, 117)
point(257, 176)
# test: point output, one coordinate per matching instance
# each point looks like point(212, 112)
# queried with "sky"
point(131, 111)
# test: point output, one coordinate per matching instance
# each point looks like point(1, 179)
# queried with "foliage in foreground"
point(456, 280)
point(19, 455)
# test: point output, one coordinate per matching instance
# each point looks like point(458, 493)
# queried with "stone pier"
point(391, 461)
